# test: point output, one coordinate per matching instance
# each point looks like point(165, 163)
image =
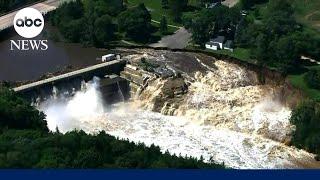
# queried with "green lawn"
point(298, 82)
point(239, 53)
point(308, 12)
point(171, 30)
point(155, 8)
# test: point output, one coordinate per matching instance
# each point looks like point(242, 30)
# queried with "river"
point(231, 141)
point(177, 134)
point(30, 65)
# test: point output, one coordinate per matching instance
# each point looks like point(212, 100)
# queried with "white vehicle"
point(108, 57)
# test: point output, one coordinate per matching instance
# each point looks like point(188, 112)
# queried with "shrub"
point(306, 118)
point(312, 79)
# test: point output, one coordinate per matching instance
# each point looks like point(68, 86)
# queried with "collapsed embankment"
point(193, 105)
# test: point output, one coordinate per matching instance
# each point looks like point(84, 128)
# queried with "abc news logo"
point(28, 23)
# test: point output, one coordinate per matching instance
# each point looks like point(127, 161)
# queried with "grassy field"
point(155, 8)
point(298, 82)
point(171, 30)
point(308, 12)
point(239, 53)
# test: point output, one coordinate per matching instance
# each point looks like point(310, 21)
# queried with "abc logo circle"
point(28, 22)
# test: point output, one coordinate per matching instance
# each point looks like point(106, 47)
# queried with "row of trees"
point(277, 40)
point(17, 114)
point(25, 142)
point(312, 78)
point(274, 37)
point(176, 8)
point(97, 22)
point(207, 23)
point(31, 149)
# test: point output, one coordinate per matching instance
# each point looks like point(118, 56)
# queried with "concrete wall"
point(68, 82)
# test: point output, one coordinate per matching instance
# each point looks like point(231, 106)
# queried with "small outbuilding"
point(228, 45)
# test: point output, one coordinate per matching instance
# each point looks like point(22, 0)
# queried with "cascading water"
point(244, 129)
point(120, 93)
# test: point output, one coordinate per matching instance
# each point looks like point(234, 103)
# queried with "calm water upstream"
point(30, 65)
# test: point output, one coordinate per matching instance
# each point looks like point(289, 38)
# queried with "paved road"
point(178, 40)
point(44, 7)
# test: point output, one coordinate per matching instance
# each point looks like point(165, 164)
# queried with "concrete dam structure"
point(110, 83)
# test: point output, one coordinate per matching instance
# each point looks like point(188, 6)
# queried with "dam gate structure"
point(113, 88)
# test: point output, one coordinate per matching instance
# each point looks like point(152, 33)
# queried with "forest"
point(272, 34)
point(99, 22)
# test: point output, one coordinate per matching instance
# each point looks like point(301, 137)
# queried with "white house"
point(216, 44)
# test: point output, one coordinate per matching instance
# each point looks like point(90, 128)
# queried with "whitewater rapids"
point(180, 136)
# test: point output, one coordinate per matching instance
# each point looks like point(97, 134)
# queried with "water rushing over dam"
point(178, 135)
point(223, 114)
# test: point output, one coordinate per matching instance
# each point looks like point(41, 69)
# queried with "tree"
point(15, 113)
point(312, 78)
point(276, 41)
point(73, 30)
point(200, 31)
point(208, 23)
point(306, 118)
point(165, 4)
point(103, 30)
point(135, 22)
point(176, 8)
point(163, 25)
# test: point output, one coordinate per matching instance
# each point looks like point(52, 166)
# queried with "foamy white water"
point(178, 135)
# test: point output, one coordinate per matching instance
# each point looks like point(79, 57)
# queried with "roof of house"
point(212, 43)
point(212, 5)
point(219, 39)
point(228, 44)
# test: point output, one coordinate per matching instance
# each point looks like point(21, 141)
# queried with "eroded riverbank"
point(207, 107)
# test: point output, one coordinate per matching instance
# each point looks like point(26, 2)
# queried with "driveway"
point(178, 40)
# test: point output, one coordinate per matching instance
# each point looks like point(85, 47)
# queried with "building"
point(220, 43)
point(213, 5)
point(228, 45)
point(216, 44)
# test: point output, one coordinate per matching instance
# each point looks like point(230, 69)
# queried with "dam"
point(72, 81)
point(188, 104)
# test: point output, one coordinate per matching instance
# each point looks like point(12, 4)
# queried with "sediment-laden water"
point(225, 115)
point(178, 135)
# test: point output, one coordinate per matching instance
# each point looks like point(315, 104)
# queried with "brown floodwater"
point(30, 65)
